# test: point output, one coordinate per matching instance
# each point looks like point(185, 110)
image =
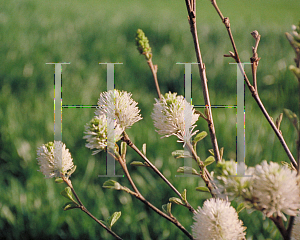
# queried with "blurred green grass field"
point(85, 33)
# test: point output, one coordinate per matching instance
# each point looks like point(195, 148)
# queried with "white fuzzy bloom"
point(276, 190)
point(120, 106)
point(217, 220)
point(296, 228)
point(54, 159)
point(234, 187)
point(173, 115)
point(100, 131)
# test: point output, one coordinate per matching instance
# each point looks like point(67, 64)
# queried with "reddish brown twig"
point(252, 89)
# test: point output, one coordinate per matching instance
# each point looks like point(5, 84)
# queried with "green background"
point(85, 33)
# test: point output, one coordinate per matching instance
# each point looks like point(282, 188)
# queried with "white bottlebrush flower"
point(54, 159)
point(276, 190)
point(234, 187)
point(296, 228)
point(120, 106)
point(173, 115)
point(217, 220)
point(99, 131)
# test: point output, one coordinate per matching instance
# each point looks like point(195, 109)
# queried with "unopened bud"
point(142, 43)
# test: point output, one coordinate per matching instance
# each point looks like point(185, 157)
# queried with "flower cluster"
point(119, 106)
point(116, 111)
point(238, 188)
point(55, 159)
point(276, 189)
point(173, 115)
point(102, 132)
point(273, 189)
point(217, 220)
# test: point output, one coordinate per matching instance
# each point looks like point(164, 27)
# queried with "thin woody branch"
point(206, 176)
point(252, 88)
point(139, 196)
point(192, 21)
point(84, 209)
point(254, 59)
point(131, 144)
point(153, 69)
point(279, 224)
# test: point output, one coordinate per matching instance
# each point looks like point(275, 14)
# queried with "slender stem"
point(83, 208)
point(139, 196)
point(279, 224)
point(207, 177)
point(298, 140)
point(297, 61)
point(290, 226)
point(154, 73)
point(122, 162)
point(192, 21)
point(131, 144)
point(252, 89)
point(254, 59)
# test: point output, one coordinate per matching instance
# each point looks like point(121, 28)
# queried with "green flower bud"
point(142, 44)
point(295, 70)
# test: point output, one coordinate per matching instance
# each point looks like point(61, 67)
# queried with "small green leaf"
point(167, 208)
point(144, 149)
point(111, 184)
point(295, 70)
point(138, 164)
point(181, 154)
point(292, 117)
point(200, 136)
point(70, 205)
point(289, 165)
point(202, 189)
point(201, 114)
point(206, 112)
point(183, 195)
point(278, 120)
point(209, 161)
point(211, 152)
point(67, 193)
point(71, 171)
point(221, 153)
point(240, 207)
point(59, 180)
point(186, 169)
point(113, 218)
point(123, 149)
point(176, 201)
point(177, 153)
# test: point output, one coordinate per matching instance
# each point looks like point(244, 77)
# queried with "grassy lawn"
point(85, 33)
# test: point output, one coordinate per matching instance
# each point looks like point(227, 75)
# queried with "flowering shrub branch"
point(191, 8)
point(273, 189)
point(253, 89)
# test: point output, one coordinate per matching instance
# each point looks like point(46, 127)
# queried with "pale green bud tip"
point(295, 70)
point(142, 44)
point(294, 37)
point(49, 146)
